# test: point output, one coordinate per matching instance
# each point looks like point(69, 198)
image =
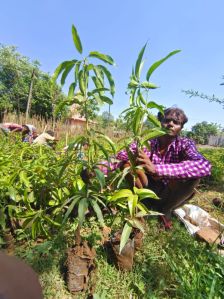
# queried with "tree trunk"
point(30, 95)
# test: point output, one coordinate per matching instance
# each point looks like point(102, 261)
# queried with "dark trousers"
point(173, 195)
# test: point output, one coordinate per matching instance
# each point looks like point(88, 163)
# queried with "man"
point(46, 138)
point(173, 166)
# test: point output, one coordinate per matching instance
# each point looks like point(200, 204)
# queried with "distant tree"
point(201, 132)
point(16, 73)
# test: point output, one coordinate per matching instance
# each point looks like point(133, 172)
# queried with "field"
point(38, 187)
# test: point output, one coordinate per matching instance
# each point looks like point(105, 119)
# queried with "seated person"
point(46, 138)
point(27, 135)
point(173, 166)
point(10, 127)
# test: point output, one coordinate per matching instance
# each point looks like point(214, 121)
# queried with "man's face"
point(172, 123)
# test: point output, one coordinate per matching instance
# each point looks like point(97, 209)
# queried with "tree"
point(15, 85)
point(201, 132)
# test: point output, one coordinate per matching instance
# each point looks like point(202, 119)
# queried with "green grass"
point(171, 264)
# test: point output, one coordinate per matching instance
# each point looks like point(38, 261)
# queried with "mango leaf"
point(109, 78)
point(153, 119)
point(133, 84)
point(82, 83)
point(99, 74)
point(67, 70)
point(138, 62)
point(103, 57)
point(71, 207)
point(151, 134)
point(82, 208)
point(144, 193)
point(106, 100)
point(125, 235)
point(97, 82)
point(148, 85)
point(132, 204)
point(155, 65)
point(71, 90)
point(60, 68)
point(123, 193)
point(137, 224)
point(152, 104)
point(24, 178)
point(98, 211)
point(100, 177)
point(107, 140)
point(76, 40)
point(137, 121)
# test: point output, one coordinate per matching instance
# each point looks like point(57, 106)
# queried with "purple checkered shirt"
point(180, 161)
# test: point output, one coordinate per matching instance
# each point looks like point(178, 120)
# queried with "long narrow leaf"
point(158, 63)
point(125, 235)
point(103, 57)
point(76, 39)
point(83, 206)
point(98, 211)
point(109, 78)
point(138, 62)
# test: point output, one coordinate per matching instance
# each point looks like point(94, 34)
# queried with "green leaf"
point(144, 193)
point(138, 62)
point(133, 84)
point(148, 85)
point(24, 178)
point(137, 120)
point(60, 68)
point(106, 100)
point(67, 70)
point(76, 39)
point(83, 206)
point(71, 90)
point(137, 224)
point(155, 65)
point(153, 119)
point(123, 193)
point(98, 211)
point(152, 133)
point(152, 104)
point(109, 78)
point(103, 57)
point(82, 83)
point(132, 204)
point(125, 235)
point(71, 207)
point(100, 177)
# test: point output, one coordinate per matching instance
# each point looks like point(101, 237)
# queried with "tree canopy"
point(16, 73)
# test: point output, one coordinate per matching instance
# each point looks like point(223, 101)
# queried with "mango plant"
point(92, 84)
point(131, 202)
point(89, 78)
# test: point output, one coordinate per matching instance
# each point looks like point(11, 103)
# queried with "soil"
point(124, 260)
point(80, 263)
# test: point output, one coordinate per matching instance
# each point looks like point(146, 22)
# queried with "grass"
point(171, 264)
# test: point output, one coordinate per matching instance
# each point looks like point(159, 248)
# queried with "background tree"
point(201, 132)
point(15, 79)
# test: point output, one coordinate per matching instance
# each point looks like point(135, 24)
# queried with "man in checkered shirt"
point(173, 166)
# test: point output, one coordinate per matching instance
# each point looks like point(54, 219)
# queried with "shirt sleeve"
point(48, 137)
point(194, 165)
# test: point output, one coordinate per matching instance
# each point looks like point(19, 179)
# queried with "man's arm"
point(194, 165)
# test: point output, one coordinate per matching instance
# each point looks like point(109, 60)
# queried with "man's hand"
point(140, 180)
point(146, 163)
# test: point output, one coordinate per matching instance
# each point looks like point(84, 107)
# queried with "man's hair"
point(50, 132)
point(179, 113)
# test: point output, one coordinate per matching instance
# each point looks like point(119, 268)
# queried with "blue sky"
point(42, 30)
